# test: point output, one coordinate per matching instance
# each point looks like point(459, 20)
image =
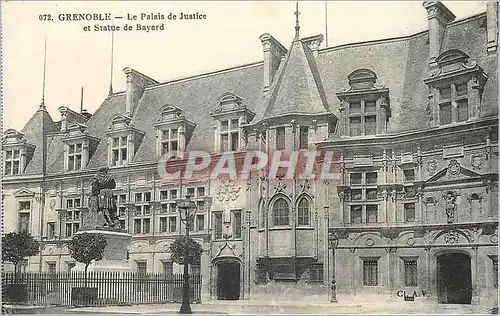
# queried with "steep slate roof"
point(40, 124)
point(296, 88)
point(401, 65)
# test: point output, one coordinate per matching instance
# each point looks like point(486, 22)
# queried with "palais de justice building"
point(413, 123)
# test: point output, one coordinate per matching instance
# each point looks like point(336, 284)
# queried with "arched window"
point(281, 213)
point(303, 213)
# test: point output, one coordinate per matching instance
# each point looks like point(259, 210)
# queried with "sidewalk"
point(271, 307)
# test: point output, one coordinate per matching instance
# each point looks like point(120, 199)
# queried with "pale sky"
point(228, 37)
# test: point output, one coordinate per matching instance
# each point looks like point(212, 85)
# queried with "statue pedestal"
point(115, 254)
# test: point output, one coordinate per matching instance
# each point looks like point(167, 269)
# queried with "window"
point(173, 194)
point(217, 225)
point(24, 222)
point(371, 194)
point(303, 213)
point(190, 191)
point(371, 178)
point(72, 222)
point(363, 190)
point(371, 213)
point(12, 162)
point(200, 222)
point(455, 95)
point(51, 228)
point(172, 224)
point(230, 134)
point(462, 110)
point(445, 113)
point(51, 267)
point(356, 178)
point(445, 93)
point(142, 226)
point(169, 140)
point(409, 175)
point(304, 137)
point(163, 224)
point(355, 126)
point(73, 203)
point(142, 222)
point(356, 214)
point(236, 224)
point(119, 150)
point(75, 156)
point(410, 272)
point(362, 118)
point(281, 213)
point(370, 272)
point(164, 195)
point(409, 212)
point(141, 267)
point(280, 138)
point(200, 192)
point(168, 267)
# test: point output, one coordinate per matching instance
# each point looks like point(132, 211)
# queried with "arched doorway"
point(454, 279)
point(228, 280)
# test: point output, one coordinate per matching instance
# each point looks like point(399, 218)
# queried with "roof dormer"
point(123, 140)
point(17, 152)
point(230, 116)
point(455, 88)
point(79, 146)
point(364, 106)
point(173, 130)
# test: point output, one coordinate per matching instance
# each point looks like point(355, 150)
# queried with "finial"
point(42, 104)
point(81, 101)
point(111, 68)
point(297, 26)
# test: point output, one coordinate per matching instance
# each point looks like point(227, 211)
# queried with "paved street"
point(260, 307)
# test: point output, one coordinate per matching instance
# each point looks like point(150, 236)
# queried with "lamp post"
point(333, 242)
point(186, 208)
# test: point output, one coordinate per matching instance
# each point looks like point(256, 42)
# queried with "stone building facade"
point(412, 123)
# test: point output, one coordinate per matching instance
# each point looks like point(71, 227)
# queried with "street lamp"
point(333, 242)
point(187, 210)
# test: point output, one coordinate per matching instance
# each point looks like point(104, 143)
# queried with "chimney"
point(273, 52)
point(313, 42)
point(136, 83)
point(492, 26)
point(439, 16)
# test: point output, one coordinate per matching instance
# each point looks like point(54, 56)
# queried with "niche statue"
point(101, 200)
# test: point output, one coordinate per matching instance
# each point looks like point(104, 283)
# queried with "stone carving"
point(429, 236)
point(52, 204)
point(369, 242)
point(494, 238)
point(432, 166)
point(227, 190)
point(451, 237)
point(101, 202)
point(474, 197)
point(305, 186)
point(410, 241)
point(453, 169)
point(430, 200)
point(476, 161)
point(280, 186)
point(450, 204)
